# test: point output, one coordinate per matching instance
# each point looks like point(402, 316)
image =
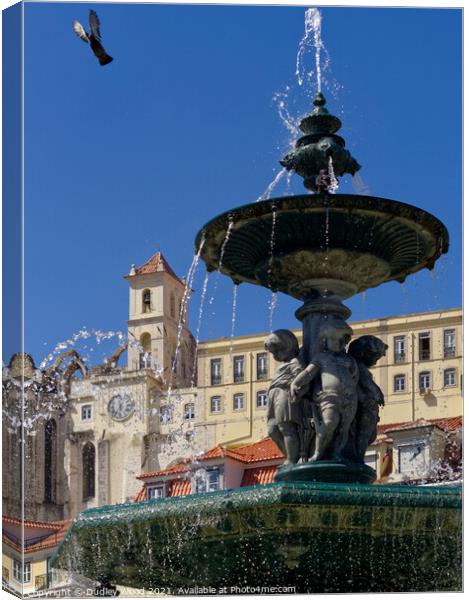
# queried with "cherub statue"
point(366, 350)
point(287, 420)
point(334, 376)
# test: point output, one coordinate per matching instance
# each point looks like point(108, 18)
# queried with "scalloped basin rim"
point(353, 242)
point(324, 200)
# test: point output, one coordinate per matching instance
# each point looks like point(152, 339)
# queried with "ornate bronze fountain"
point(320, 527)
point(327, 248)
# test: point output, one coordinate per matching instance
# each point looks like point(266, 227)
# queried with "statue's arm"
point(302, 380)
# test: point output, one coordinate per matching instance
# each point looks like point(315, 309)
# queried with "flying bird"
point(93, 38)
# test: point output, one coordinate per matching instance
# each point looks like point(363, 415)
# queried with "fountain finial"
point(320, 153)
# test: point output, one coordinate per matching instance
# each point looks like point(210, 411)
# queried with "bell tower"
point(155, 300)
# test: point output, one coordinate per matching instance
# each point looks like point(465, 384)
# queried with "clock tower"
point(158, 332)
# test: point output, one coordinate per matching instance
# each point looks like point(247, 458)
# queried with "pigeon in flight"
point(93, 38)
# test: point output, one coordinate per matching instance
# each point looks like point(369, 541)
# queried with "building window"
point(155, 492)
point(86, 412)
point(207, 480)
point(22, 571)
point(238, 402)
point(399, 349)
point(424, 346)
point(50, 460)
point(399, 383)
point(262, 365)
point(238, 369)
point(215, 404)
point(166, 414)
point(449, 337)
point(146, 301)
point(215, 371)
point(88, 462)
point(189, 411)
point(213, 480)
point(449, 377)
point(424, 381)
point(261, 399)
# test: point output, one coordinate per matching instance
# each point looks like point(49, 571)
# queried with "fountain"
point(321, 526)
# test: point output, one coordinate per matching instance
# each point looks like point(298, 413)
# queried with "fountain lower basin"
point(317, 537)
point(325, 244)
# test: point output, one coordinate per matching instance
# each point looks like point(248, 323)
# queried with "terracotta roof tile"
point(50, 541)
point(448, 424)
point(265, 449)
point(142, 494)
point(33, 524)
point(259, 475)
point(179, 468)
point(154, 264)
point(180, 487)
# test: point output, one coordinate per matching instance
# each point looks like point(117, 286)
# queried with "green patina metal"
point(319, 537)
point(357, 241)
point(320, 149)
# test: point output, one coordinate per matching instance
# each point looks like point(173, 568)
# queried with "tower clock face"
point(120, 407)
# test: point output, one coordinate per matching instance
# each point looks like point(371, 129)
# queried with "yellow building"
point(420, 376)
point(26, 549)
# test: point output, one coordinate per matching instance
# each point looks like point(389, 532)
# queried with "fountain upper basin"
point(341, 244)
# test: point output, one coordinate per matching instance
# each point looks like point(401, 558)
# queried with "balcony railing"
point(424, 354)
point(449, 352)
point(238, 377)
point(216, 379)
point(399, 357)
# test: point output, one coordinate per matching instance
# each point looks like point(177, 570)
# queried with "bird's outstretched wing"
point(81, 33)
point(94, 25)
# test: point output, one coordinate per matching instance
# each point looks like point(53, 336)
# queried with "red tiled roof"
point(179, 468)
point(141, 496)
point(448, 424)
point(265, 449)
point(33, 524)
point(180, 487)
point(51, 541)
point(259, 475)
point(154, 264)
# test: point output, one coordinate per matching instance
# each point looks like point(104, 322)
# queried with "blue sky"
point(134, 157)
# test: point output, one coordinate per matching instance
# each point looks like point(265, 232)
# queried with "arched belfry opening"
point(146, 300)
point(145, 350)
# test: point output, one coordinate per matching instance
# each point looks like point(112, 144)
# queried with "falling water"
point(220, 262)
point(333, 182)
point(272, 240)
point(272, 307)
point(360, 186)
point(199, 324)
point(270, 188)
point(311, 38)
point(183, 311)
point(233, 316)
point(288, 120)
point(326, 229)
